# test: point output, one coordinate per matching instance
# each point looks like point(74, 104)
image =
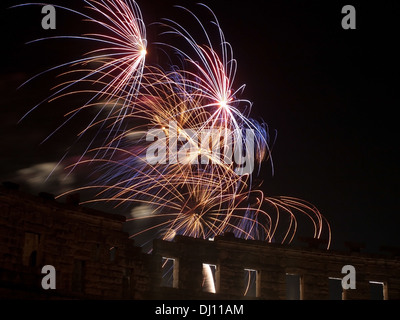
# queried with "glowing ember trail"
point(178, 138)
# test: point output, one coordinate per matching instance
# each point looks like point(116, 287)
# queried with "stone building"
point(95, 259)
point(258, 270)
point(92, 256)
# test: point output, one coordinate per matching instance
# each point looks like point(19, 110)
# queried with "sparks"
point(205, 196)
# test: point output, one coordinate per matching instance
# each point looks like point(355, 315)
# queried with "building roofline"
point(49, 200)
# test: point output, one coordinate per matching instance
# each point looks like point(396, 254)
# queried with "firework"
point(111, 73)
point(180, 140)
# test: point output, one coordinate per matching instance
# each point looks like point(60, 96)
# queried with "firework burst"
point(111, 74)
point(177, 140)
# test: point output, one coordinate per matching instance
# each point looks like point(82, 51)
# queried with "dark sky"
point(330, 94)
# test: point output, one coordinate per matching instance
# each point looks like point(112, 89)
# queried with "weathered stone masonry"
point(273, 262)
point(95, 259)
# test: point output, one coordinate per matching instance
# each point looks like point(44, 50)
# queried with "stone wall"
point(95, 259)
point(272, 264)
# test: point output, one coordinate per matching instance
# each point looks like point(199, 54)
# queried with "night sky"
point(329, 95)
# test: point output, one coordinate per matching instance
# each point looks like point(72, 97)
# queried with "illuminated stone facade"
point(275, 269)
point(95, 259)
